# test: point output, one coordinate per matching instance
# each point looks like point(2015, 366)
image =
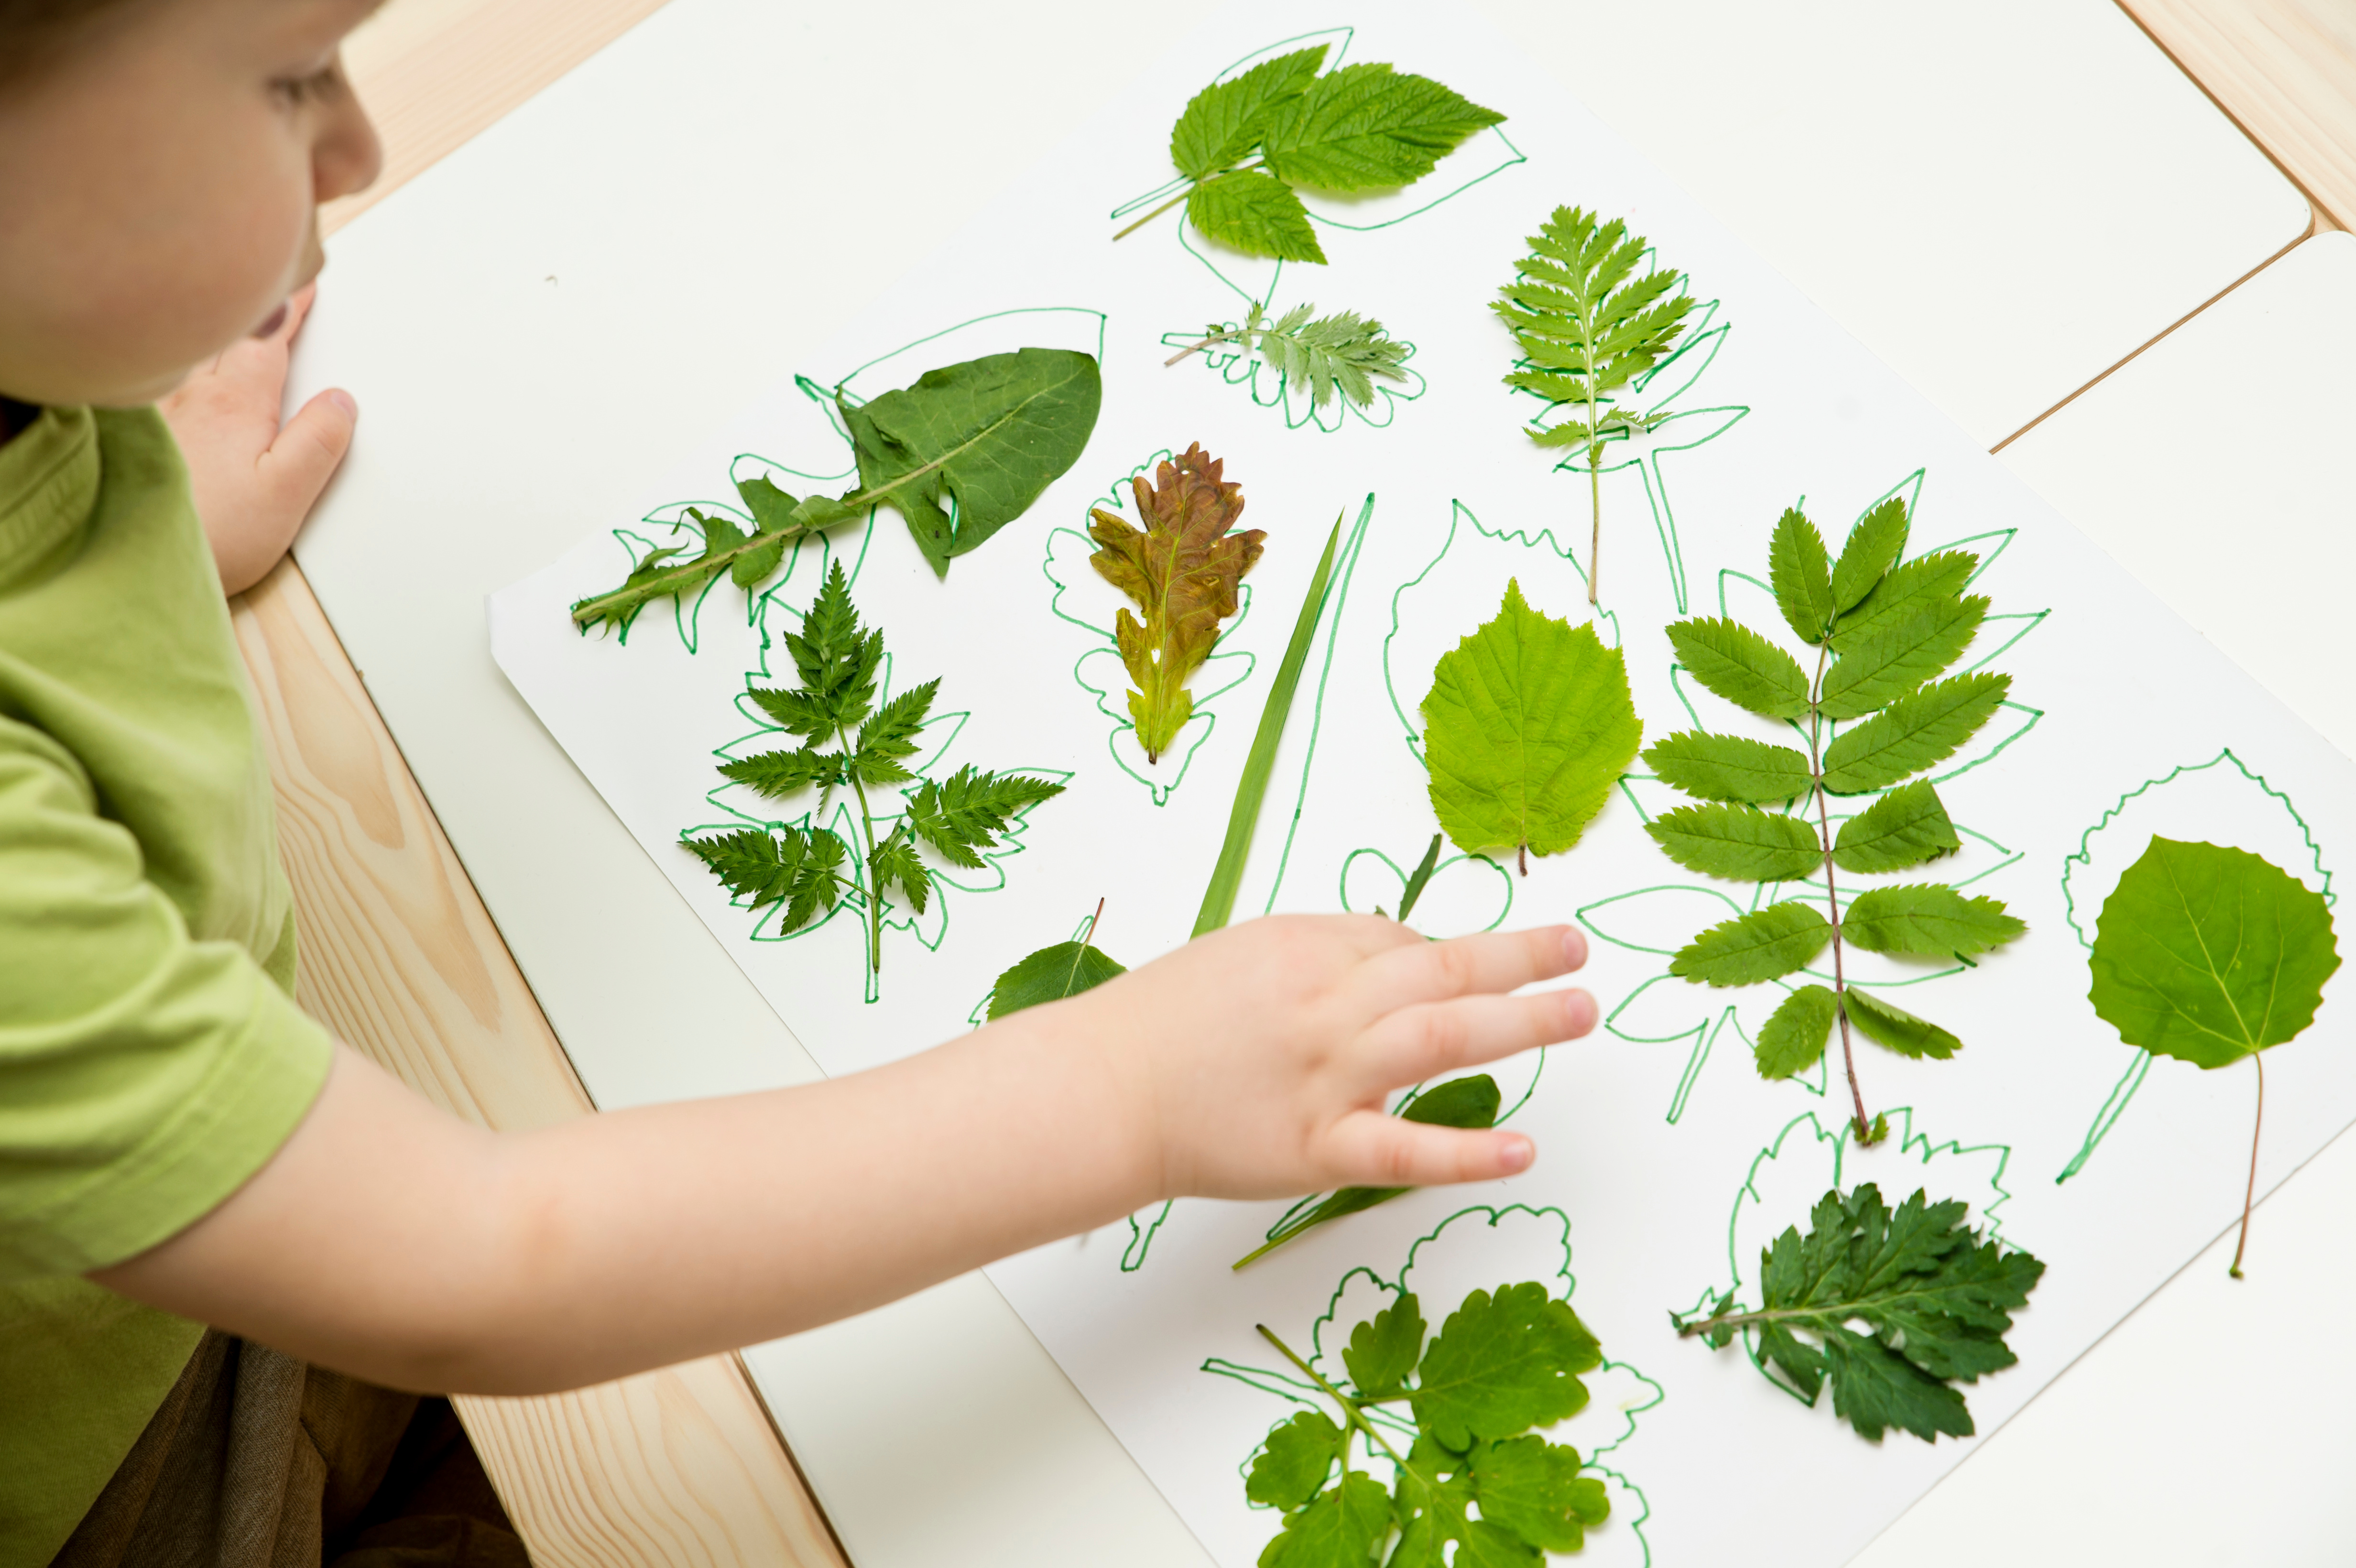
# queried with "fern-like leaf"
point(970, 808)
point(1345, 349)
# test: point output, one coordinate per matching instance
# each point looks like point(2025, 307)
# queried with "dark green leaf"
point(1050, 974)
point(1367, 127)
point(1876, 670)
point(1340, 1528)
point(1904, 828)
point(1927, 918)
point(1893, 1029)
point(1912, 733)
point(1527, 726)
point(800, 869)
point(1738, 841)
point(1794, 1037)
point(1800, 574)
point(772, 508)
point(1504, 1364)
point(1226, 120)
point(1291, 1468)
point(1533, 1488)
point(1873, 545)
point(1385, 1349)
point(1765, 945)
point(778, 774)
point(889, 737)
point(1459, 1102)
point(1419, 878)
point(1255, 213)
point(988, 434)
point(1743, 666)
point(2208, 954)
point(965, 813)
point(1904, 592)
point(895, 862)
point(1728, 767)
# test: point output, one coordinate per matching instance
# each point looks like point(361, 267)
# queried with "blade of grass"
point(1414, 883)
point(1227, 877)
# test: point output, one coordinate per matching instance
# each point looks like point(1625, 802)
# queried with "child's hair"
point(34, 33)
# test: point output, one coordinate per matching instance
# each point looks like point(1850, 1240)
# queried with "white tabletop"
point(557, 310)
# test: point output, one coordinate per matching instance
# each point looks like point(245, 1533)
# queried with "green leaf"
point(1912, 733)
point(1226, 120)
point(1502, 1364)
point(1344, 350)
point(1800, 574)
point(1533, 1488)
point(1527, 726)
point(836, 663)
point(1935, 1301)
point(1293, 1467)
point(1743, 666)
point(1927, 918)
point(799, 869)
point(1893, 1029)
point(1873, 548)
point(1904, 828)
point(1582, 323)
point(1738, 841)
point(1794, 1037)
point(895, 862)
point(780, 774)
point(1877, 670)
point(988, 434)
point(1050, 974)
point(1420, 879)
point(891, 735)
point(966, 812)
point(2209, 954)
point(1255, 213)
point(1762, 945)
point(1904, 594)
point(1340, 1528)
point(1385, 1349)
point(1367, 127)
point(1728, 767)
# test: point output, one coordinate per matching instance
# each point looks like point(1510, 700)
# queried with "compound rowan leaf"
point(1184, 568)
point(1743, 666)
point(1904, 828)
point(1765, 945)
point(1904, 592)
point(2209, 954)
point(1930, 919)
point(1873, 545)
point(1730, 767)
point(1738, 841)
point(1528, 724)
point(1800, 574)
point(1894, 1029)
point(1793, 1039)
point(1877, 670)
point(1912, 733)
point(1502, 1364)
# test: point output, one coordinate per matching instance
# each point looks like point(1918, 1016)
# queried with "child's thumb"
point(308, 451)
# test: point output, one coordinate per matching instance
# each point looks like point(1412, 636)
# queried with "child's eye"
point(297, 90)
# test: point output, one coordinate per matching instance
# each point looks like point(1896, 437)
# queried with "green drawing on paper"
point(1316, 372)
point(1891, 822)
point(2224, 789)
point(1360, 1350)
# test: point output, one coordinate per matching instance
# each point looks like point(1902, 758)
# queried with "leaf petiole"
point(2249, 1194)
point(1349, 1406)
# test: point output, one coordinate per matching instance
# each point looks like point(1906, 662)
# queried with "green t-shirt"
point(151, 1054)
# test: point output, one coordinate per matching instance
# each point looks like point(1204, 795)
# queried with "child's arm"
point(254, 482)
point(394, 1242)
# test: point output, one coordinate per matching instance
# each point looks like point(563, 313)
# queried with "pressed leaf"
point(1915, 732)
point(896, 863)
point(1897, 1029)
point(1528, 724)
point(988, 434)
point(1765, 945)
point(1344, 350)
point(1502, 1364)
point(1533, 1488)
point(1908, 589)
point(964, 813)
point(1255, 213)
point(1927, 918)
point(889, 738)
point(1367, 127)
point(2209, 954)
point(1873, 548)
point(1743, 666)
point(1738, 841)
point(1183, 568)
point(1801, 575)
point(1730, 767)
point(780, 774)
point(1793, 1039)
point(1874, 671)
point(1226, 118)
point(1339, 1528)
point(1383, 1350)
point(1293, 1465)
point(1050, 975)
point(1904, 828)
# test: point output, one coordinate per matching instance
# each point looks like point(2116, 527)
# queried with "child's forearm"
point(396, 1243)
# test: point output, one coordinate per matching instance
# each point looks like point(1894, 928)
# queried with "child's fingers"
point(1372, 1149)
point(1469, 966)
point(1431, 1039)
point(304, 456)
point(297, 306)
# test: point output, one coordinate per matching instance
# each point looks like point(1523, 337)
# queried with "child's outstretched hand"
point(254, 480)
point(1257, 1061)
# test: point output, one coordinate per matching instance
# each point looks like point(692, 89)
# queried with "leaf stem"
point(676, 579)
point(2249, 1194)
point(1594, 484)
point(1156, 212)
point(1832, 894)
point(1228, 336)
point(1349, 1406)
point(874, 879)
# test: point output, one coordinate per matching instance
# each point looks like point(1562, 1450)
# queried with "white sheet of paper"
point(2110, 692)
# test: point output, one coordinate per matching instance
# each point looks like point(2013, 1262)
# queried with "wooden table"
point(684, 1464)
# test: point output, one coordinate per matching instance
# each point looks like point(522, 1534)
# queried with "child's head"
point(161, 161)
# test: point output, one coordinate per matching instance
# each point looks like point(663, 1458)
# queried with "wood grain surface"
point(677, 1467)
point(683, 1465)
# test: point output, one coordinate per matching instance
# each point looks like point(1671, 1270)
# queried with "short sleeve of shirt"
point(143, 1074)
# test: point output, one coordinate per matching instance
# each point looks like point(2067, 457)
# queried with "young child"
point(181, 1146)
